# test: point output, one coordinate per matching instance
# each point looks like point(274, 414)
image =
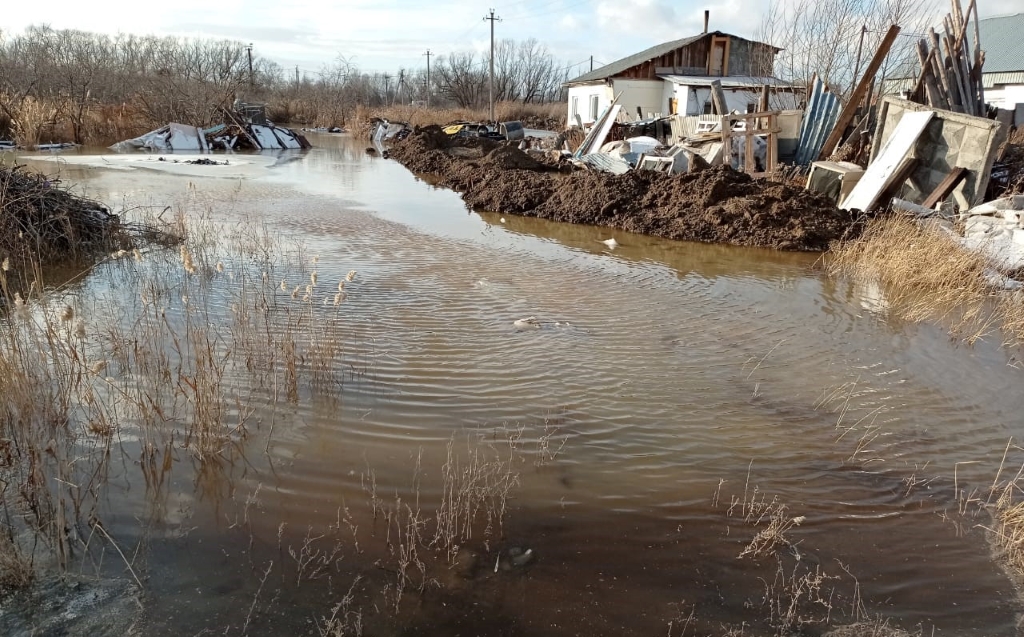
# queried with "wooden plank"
point(958, 79)
point(927, 78)
point(899, 178)
point(850, 109)
point(920, 92)
point(948, 84)
point(749, 165)
point(762, 105)
point(726, 141)
point(979, 61)
point(882, 170)
point(718, 98)
point(945, 187)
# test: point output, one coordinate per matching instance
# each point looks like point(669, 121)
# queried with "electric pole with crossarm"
point(490, 84)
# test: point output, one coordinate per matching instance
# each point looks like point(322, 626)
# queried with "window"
point(593, 106)
point(575, 106)
point(707, 107)
point(751, 107)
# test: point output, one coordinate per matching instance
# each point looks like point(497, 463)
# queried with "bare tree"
point(823, 37)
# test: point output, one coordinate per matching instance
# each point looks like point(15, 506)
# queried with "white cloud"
point(388, 34)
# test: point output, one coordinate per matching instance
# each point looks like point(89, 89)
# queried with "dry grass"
point(925, 274)
point(1006, 504)
point(162, 364)
point(770, 517)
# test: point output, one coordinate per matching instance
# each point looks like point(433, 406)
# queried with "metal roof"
point(728, 81)
point(991, 80)
point(628, 62)
point(1001, 42)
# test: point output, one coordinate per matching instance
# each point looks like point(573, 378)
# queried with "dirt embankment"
point(717, 205)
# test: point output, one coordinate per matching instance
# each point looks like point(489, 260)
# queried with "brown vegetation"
point(88, 88)
point(926, 274)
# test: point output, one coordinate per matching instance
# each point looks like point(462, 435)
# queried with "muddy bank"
point(717, 205)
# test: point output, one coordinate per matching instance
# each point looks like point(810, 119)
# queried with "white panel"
point(881, 171)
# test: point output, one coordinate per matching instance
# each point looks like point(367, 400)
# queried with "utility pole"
point(490, 84)
point(296, 75)
point(401, 82)
point(248, 50)
point(387, 79)
point(428, 54)
point(591, 63)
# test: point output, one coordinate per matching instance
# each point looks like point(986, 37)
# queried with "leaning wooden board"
point(880, 173)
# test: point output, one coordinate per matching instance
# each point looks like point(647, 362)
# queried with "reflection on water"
point(661, 372)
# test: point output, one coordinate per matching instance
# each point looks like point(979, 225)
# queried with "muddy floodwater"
point(651, 390)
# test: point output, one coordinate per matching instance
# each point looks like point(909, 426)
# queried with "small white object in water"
point(530, 321)
point(503, 219)
point(611, 243)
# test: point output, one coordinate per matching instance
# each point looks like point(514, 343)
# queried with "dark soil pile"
point(716, 205)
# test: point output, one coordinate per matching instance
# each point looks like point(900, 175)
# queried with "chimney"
point(707, 16)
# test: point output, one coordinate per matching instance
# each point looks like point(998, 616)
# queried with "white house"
point(675, 78)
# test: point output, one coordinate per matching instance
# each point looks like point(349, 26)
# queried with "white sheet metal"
point(595, 138)
point(881, 172)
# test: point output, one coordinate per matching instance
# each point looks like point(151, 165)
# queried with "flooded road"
point(656, 384)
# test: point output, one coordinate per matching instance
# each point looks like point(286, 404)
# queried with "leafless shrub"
point(474, 487)
point(798, 598)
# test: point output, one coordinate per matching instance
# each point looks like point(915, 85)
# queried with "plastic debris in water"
point(528, 322)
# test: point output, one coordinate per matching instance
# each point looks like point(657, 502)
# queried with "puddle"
point(657, 371)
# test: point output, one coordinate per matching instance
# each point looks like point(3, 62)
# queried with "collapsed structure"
point(244, 128)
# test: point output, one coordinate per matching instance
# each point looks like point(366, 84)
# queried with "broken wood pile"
point(951, 67)
point(41, 222)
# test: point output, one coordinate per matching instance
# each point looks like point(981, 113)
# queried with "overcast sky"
point(384, 35)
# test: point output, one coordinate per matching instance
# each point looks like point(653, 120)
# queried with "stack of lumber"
point(950, 76)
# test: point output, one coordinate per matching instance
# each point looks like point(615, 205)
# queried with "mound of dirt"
point(716, 205)
point(509, 157)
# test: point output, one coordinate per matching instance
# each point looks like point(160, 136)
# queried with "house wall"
point(750, 58)
point(647, 95)
point(1005, 95)
point(698, 97)
point(581, 96)
point(745, 58)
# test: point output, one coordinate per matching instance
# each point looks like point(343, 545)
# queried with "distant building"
point(1003, 72)
point(1002, 75)
point(675, 78)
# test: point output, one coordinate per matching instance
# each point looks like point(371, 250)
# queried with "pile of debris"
point(712, 205)
point(245, 129)
point(950, 76)
point(40, 222)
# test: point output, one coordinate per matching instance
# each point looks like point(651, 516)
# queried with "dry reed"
point(926, 274)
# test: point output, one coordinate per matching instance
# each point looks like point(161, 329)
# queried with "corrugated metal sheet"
point(895, 86)
point(684, 126)
point(1001, 42)
point(991, 80)
point(821, 115)
point(732, 81)
point(606, 162)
